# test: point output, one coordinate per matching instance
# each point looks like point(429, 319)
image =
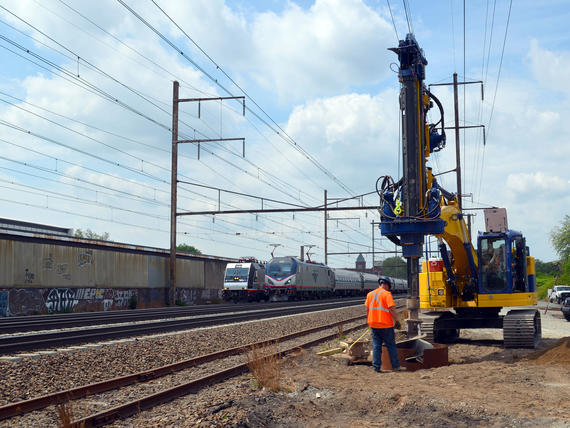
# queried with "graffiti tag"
point(47, 263)
point(29, 276)
point(85, 258)
point(61, 299)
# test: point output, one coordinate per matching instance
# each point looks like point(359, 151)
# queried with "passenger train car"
point(290, 277)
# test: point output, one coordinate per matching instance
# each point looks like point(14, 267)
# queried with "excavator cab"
point(503, 264)
point(493, 270)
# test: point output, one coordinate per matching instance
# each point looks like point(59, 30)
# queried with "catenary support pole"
point(457, 151)
point(326, 220)
point(173, 195)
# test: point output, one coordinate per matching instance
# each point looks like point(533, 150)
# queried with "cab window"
point(493, 265)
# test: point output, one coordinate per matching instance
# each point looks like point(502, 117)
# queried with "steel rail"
point(59, 321)
point(11, 344)
point(26, 406)
point(133, 407)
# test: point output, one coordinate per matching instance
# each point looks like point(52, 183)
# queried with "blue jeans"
point(386, 336)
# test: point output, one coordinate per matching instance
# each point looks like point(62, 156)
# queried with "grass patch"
point(264, 363)
point(66, 416)
point(340, 334)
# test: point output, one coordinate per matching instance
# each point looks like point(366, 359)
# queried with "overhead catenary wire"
point(478, 153)
point(273, 125)
point(164, 126)
point(393, 22)
point(119, 82)
point(96, 128)
point(146, 97)
point(496, 86)
point(408, 16)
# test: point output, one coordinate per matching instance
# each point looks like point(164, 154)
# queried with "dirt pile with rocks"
point(558, 354)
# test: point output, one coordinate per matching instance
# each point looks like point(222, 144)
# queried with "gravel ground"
point(313, 384)
point(485, 385)
point(32, 377)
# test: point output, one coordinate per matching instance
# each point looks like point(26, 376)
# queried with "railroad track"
point(183, 369)
point(69, 320)
point(50, 339)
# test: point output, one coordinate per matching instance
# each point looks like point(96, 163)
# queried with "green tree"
point(188, 249)
point(547, 268)
point(395, 267)
point(89, 234)
point(560, 238)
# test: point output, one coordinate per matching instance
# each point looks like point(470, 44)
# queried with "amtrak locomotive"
point(290, 277)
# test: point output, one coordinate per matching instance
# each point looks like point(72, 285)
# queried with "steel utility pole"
point(326, 221)
point(171, 297)
point(456, 127)
point(457, 151)
point(176, 100)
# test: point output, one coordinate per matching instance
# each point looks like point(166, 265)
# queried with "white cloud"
point(538, 184)
point(354, 135)
point(327, 49)
point(546, 66)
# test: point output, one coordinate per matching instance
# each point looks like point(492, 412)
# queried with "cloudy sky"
point(86, 91)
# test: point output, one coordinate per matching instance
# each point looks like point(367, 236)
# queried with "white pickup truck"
point(558, 293)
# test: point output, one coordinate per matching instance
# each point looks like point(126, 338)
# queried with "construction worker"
point(382, 318)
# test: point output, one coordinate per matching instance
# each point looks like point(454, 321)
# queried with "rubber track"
point(522, 328)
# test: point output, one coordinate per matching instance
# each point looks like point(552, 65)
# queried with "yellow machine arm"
point(456, 236)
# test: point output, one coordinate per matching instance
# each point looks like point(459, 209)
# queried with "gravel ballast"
point(32, 376)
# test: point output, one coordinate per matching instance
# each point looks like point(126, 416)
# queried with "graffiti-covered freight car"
point(42, 273)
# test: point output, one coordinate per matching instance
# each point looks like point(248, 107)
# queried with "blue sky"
point(324, 115)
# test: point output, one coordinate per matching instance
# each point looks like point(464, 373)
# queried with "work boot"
point(400, 369)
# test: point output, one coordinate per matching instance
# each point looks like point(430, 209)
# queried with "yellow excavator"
point(466, 287)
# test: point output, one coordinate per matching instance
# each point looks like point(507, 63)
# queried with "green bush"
point(544, 281)
point(133, 302)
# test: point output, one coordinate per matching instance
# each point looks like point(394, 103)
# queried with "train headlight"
point(288, 282)
point(440, 292)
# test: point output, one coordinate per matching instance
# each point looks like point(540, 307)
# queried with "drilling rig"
point(465, 287)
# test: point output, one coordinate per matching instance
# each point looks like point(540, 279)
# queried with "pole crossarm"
point(337, 200)
point(239, 193)
point(465, 127)
point(210, 140)
point(278, 210)
point(213, 140)
point(199, 101)
point(459, 83)
point(445, 172)
point(470, 127)
point(344, 218)
point(363, 252)
point(463, 83)
point(185, 100)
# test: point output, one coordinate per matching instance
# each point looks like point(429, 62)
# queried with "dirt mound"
point(559, 353)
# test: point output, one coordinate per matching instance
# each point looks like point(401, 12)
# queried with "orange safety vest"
point(377, 302)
